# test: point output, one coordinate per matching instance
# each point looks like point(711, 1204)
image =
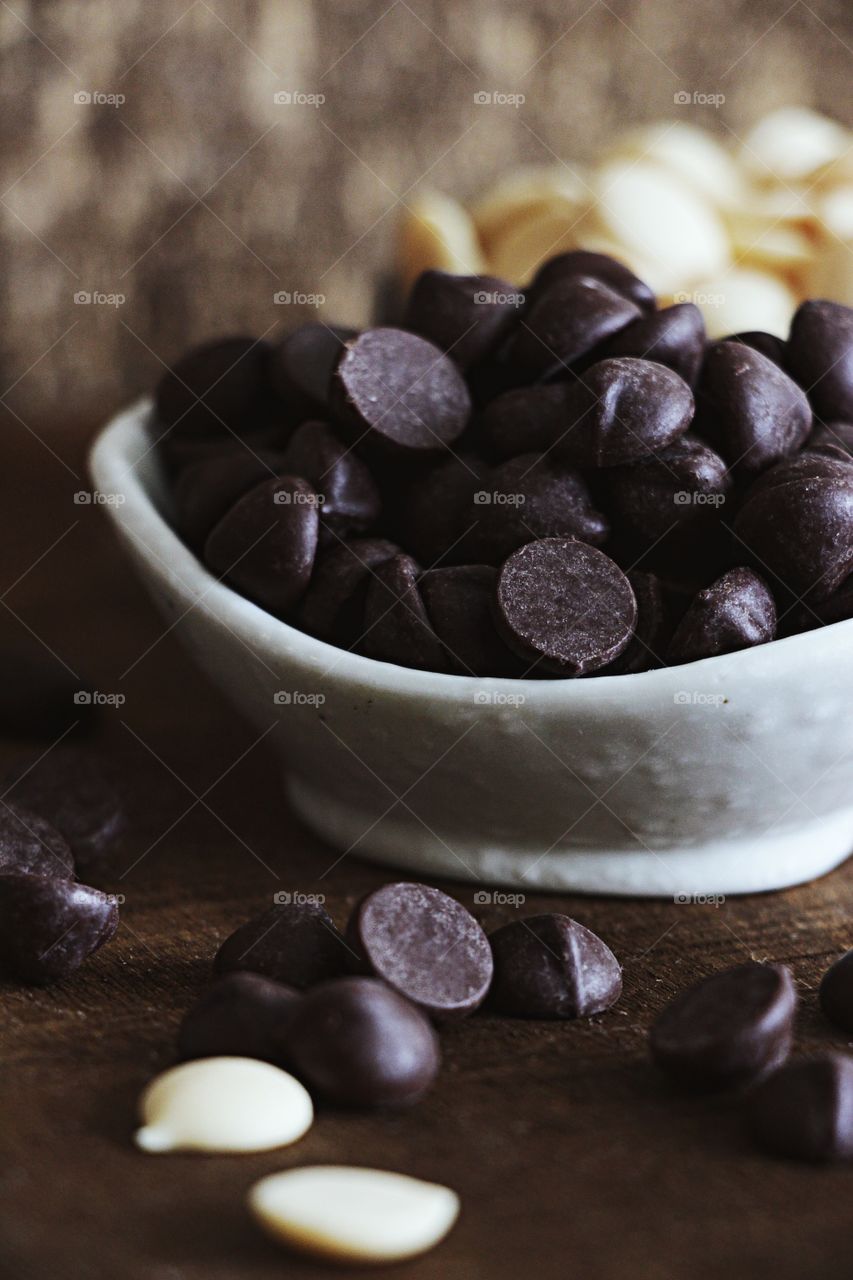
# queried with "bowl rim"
point(115, 459)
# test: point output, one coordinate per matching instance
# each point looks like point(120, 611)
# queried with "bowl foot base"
point(754, 864)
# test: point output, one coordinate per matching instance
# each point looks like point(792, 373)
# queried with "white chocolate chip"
point(693, 154)
point(743, 299)
point(223, 1104)
point(353, 1215)
point(655, 214)
point(792, 143)
point(436, 231)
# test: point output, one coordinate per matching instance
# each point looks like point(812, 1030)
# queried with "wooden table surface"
point(571, 1156)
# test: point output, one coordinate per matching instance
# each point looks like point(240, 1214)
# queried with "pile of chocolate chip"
point(63, 818)
point(563, 481)
point(353, 1015)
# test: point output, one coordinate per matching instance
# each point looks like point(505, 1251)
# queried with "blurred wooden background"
point(189, 196)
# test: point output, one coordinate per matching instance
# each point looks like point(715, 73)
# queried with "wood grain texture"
point(571, 1155)
point(198, 198)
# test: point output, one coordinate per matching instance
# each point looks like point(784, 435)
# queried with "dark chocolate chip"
point(76, 793)
point(565, 606)
point(653, 630)
point(436, 505)
point(179, 453)
point(674, 337)
point(805, 1110)
point(797, 522)
point(823, 613)
point(624, 409)
point(526, 498)
point(735, 612)
point(458, 602)
point(425, 945)
point(29, 844)
point(820, 356)
point(348, 494)
point(294, 942)
point(241, 1015)
point(767, 343)
point(399, 394)
point(217, 388)
point(333, 606)
point(207, 489)
point(525, 420)
point(832, 436)
point(357, 1043)
point(836, 993)
point(584, 262)
point(466, 316)
point(49, 926)
point(550, 966)
point(685, 486)
point(265, 545)
point(729, 1029)
point(300, 369)
point(749, 409)
point(396, 626)
point(566, 321)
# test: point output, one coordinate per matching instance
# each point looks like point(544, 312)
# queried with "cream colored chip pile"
point(223, 1104)
point(353, 1215)
point(745, 229)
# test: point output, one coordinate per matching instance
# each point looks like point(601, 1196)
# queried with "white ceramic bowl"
point(729, 775)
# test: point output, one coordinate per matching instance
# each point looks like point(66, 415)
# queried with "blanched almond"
point(436, 231)
point(792, 143)
point(223, 1104)
point(353, 1215)
point(655, 214)
point(742, 299)
point(693, 154)
point(548, 229)
point(524, 192)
